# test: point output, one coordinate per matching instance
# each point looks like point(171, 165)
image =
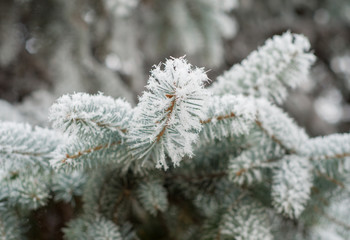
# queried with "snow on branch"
point(247, 220)
point(92, 227)
point(335, 146)
point(78, 153)
point(97, 124)
point(103, 228)
point(228, 116)
point(330, 154)
point(84, 114)
point(32, 192)
point(28, 190)
point(278, 126)
point(291, 186)
point(168, 114)
point(283, 62)
point(247, 167)
point(153, 197)
point(10, 225)
point(21, 145)
point(67, 185)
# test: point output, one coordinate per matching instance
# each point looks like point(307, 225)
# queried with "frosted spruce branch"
point(228, 116)
point(10, 228)
point(283, 62)
point(153, 197)
point(335, 146)
point(97, 125)
point(84, 114)
point(291, 186)
point(246, 168)
point(278, 126)
point(92, 227)
point(323, 152)
point(80, 154)
point(330, 155)
point(252, 161)
point(247, 220)
point(67, 185)
point(289, 196)
point(225, 116)
point(167, 116)
point(22, 146)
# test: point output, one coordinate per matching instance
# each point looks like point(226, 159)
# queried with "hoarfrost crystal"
point(168, 115)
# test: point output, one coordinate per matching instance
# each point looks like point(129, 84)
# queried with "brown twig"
point(218, 118)
point(274, 138)
point(170, 111)
point(328, 157)
point(280, 143)
point(292, 151)
point(97, 148)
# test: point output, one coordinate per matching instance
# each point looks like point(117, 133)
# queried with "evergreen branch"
point(84, 115)
point(89, 150)
point(25, 153)
point(293, 151)
point(335, 146)
point(248, 166)
point(330, 179)
point(274, 138)
point(97, 188)
point(79, 153)
point(279, 127)
point(102, 191)
point(213, 225)
point(170, 118)
point(169, 111)
point(218, 118)
point(167, 116)
point(153, 196)
point(283, 62)
point(329, 157)
point(247, 220)
point(227, 116)
point(21, 145)
point(105, 192)
point(197, 177)
point(316, 149)
point(102, 124)
point(67, 186)
point(125, 193)
point(332, 219)
point(251, 166)
point(233, 115)
point(30, 190)
point(279, 141)
point(94, 226)
point(10, 226)
point(291, 187)
point(237, 201)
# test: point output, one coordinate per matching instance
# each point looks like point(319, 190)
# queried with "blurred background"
point(52, 47)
